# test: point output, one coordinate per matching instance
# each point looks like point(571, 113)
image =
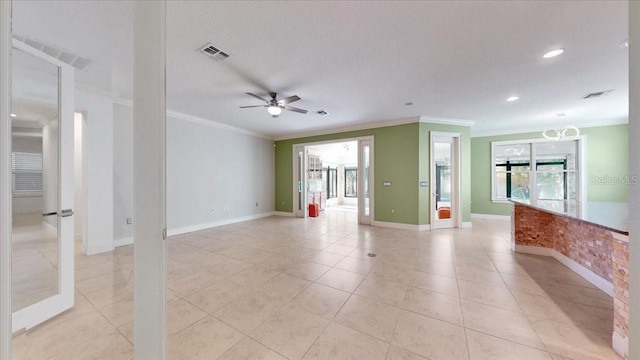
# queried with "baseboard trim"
point(587, 274)
point(620, 344)
point(123, 241)
point(400, 226)
point(192, 228)
point(466, 225)
point(50, 228)
point(93, 250)
point(283, 213)
point(490, 217)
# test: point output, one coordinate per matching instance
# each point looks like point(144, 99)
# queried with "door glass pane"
point(365, 180)
point(443, 185)
point(34, 171)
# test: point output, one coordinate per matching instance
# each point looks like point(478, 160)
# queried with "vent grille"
point(67, 57)
point(596, 94)
point(213, 52)
point(322, 112)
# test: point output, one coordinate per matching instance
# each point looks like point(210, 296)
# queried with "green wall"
point(607, 156)
point(401, 155)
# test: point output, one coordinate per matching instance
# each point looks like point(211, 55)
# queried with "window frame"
point(581, 156)
point(355, 171)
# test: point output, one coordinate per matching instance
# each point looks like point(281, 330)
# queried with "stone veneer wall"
point(598, 249)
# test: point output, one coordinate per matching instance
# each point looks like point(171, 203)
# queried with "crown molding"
point(375, 125)
point(524, 130)
point(446, 121)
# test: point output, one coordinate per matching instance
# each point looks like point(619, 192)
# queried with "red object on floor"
point(314, 210)
point(444, 212)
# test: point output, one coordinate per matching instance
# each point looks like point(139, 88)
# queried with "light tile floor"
point(283, 288)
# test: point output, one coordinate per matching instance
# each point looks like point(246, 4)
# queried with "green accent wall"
point(607, 164)
point(401, 155)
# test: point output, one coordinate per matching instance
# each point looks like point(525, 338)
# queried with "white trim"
point(123, 241)
point(619, 237)
point(466, 225)
point(400, 226)
point(538, 129)
point(5, 180)
point(203, 121)
point(282, 213)
point(446, 121)
point(333, 131)
point(50, 228)
point(192, 228)
point(620, 344)
point(490, 216)
point(587, 274)
point(99, 249)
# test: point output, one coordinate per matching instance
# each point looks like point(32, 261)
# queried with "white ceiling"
point(362, 61)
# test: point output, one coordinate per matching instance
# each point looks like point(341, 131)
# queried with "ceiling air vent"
point(77, 61)
point(213, 52)
point(321, 112)
point(596, 94)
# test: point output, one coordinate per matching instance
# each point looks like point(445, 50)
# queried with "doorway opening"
point(332, 177)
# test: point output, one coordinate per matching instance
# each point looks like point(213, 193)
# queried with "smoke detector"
point(213, 52)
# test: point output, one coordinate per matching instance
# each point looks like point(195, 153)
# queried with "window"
point(332, 183)
point(26, 173)
point(351, 182)
point(553, 181)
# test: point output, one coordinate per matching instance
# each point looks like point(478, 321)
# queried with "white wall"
point(210, 167)
point(98, 222)
point(78, 175)
point(122, 173)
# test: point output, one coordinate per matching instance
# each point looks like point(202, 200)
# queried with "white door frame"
point(43, 310)
point(5, 180)
point(300, 181)
point(296, 148)
point(362, 217)
point(456, 193)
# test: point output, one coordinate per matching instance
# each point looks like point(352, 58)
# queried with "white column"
point(5, 180)
point(634, 171)
point(149, 179)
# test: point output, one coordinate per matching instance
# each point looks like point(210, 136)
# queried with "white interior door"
point(365, 181)
point(42, 169)
point(300, 181)
point(445, 180)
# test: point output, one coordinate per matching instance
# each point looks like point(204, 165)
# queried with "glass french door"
point(444, 181)
point(300, 173)
point(42, 187)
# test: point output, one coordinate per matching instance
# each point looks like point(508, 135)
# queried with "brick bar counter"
point(598, 253)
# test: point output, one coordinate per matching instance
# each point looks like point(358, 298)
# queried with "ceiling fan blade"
point(257, 97)
point(289, 99)
point(252, 106)
point(291, 108)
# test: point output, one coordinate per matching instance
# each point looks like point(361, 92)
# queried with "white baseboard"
point(424, 227)
point(589, 275)
point(188, 229)
point(123, 241)
point(491, 217)
point(466, 225)
point(283, 213)
point(93, 250)
point(50, 228)
point(620, 344)
point(393, 225)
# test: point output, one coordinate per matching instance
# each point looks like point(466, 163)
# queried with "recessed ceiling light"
point(561, 114)
point(553, 53)
point(13, 115)
point(512, 98)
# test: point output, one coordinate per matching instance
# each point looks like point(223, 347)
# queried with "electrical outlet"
point(128, 221)
point(393, 211)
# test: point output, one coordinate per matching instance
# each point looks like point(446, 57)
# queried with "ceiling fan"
point(275, 106)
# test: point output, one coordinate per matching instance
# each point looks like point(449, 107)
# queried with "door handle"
point(63, 213)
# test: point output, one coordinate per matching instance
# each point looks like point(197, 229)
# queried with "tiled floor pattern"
point(283, 288)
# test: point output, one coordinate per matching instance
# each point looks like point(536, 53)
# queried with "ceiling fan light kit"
point(275, 105)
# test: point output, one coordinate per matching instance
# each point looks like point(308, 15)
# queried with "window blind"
point(26, 172)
